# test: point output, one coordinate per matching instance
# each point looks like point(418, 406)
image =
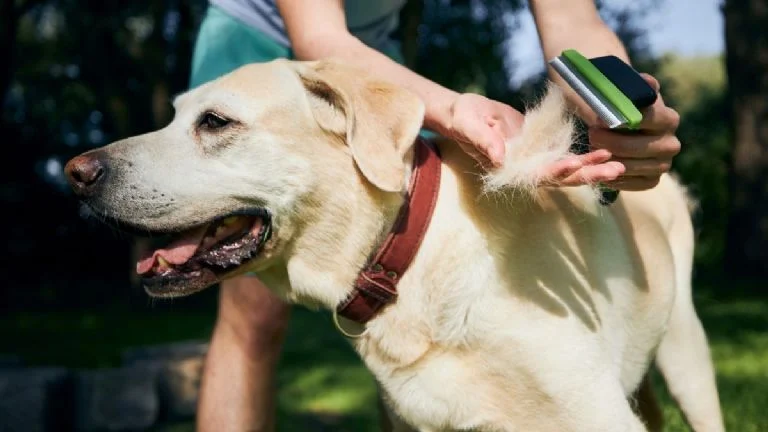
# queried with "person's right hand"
point(481, 126)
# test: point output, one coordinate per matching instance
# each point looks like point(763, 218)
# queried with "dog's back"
point(543, 310)
point(525, 308)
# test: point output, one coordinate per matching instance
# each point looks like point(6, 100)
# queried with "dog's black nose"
point(85, 173)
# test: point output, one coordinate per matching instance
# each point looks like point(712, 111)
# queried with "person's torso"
point(372, 21)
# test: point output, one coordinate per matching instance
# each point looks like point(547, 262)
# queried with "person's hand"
point(620, 161)
point(624, 161)
point(481, 126)
point(645, 155)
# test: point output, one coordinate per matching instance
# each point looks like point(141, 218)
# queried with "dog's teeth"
point(229, 221)
point(162, 263)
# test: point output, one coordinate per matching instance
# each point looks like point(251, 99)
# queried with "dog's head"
point(252, 165)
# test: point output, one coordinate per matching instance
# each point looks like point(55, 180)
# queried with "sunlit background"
point(83, 348)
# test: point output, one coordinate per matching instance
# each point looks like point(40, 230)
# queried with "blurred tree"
point(410, 20)
point(466, 44)
point(86, 73)
point(695, 87)
point(746, 38)
point(10, 13)
point(90, 72)
point(463, 44)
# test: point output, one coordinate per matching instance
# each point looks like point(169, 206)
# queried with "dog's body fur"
point(524, 310)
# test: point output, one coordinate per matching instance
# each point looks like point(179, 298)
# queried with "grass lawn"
point(323, 385)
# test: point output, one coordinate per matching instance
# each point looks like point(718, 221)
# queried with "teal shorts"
point(224, 43)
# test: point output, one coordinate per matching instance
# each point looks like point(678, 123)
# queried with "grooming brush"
point(614, 91)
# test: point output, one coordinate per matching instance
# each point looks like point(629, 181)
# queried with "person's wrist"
point(439, 115)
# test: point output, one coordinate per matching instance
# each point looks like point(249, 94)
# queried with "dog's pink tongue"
point(177, 252)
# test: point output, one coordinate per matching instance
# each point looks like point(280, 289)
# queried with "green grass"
point(687, 77)
point(324, 386)
point(737, 329)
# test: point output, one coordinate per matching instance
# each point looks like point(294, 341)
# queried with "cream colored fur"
point(517, 314)
point(546, 137)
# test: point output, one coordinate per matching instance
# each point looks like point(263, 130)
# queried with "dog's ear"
point(378, 120)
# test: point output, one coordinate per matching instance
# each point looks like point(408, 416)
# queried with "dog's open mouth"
point(198, 257)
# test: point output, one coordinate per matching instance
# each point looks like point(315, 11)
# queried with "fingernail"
point(497, 156)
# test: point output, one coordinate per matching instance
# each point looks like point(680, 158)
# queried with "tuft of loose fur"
point(691, 202)
point(546, 136)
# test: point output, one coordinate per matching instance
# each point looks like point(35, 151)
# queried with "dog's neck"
point(337, 239)
point(376, 285)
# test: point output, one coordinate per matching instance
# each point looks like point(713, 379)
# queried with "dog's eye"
point(210, 120)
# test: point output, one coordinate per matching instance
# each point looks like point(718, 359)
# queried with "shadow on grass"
point(291, 422)
point(323, 385)
point(733, 320)
point(743, 403)
point(736, 322)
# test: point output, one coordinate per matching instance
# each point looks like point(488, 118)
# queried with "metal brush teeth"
point(591, 96)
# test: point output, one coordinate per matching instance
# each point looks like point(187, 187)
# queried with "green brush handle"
point(609, 78)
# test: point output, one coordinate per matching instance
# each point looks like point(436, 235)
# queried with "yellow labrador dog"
point(522, 308)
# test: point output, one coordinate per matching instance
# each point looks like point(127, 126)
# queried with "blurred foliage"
point(462, 44)
point(735, 323)
point(84, 73)
point(322, 384)
point(696, 88)
point(746, 63)
point(89, 72)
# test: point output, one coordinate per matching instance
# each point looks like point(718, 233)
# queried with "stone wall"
point(153, 386)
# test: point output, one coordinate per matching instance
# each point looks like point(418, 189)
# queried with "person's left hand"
point(624, 161)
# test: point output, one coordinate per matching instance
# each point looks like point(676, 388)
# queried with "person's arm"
point(481, 126)
point(576, 24)
point(317, 29)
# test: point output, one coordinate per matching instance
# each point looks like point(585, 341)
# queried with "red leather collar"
point(376, 285)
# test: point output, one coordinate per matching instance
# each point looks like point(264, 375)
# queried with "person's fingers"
point(595, 157)
point(563, 170)
point(638, 183)
point(659, 118)
point(485, 139)
point(506, 123)
point(472, 151)
point(637, 146)
point(511, 121)
point(652, 81)
point(553, 173)
point(593, 174)
point(645, 167)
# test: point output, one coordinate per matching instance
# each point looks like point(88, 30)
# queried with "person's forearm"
point(437, 98)
point(574, 24)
